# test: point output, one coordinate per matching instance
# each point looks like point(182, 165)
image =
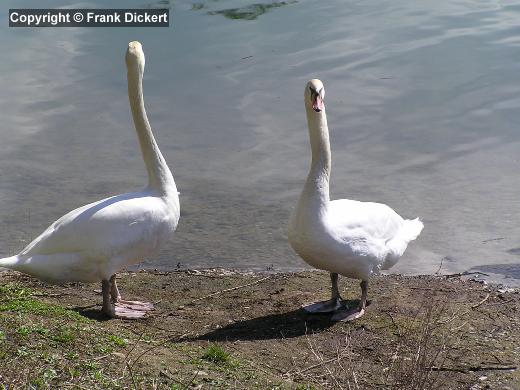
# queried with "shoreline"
point(473, 276)
point(218, 328)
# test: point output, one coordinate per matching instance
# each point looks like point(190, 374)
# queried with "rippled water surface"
point(423, 102)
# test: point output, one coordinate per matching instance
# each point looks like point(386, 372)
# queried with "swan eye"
point(315, 91)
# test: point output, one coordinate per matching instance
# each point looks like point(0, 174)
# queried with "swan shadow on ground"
point(92, 312)
point(286, 325)
point(272, 326)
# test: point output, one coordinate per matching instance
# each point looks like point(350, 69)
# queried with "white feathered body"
point(354, 239)
point(351, 238)
point(95, 241)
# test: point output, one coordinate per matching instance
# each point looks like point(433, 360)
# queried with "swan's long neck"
point(317, 185)
point(159, 175)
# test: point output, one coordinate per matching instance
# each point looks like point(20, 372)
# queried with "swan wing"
point(373, 229)
point(122, 223)
point(351, 218)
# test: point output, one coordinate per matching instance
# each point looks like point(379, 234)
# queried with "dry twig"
point(228, 290)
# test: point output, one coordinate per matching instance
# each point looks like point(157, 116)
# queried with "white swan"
point(346, 237)
point(95, 241)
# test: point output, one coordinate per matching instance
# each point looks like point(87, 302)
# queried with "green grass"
point(55, 342)
point(117, 341)
point(11, 291)
point(33, 306)
point(63, 335)
point(216, 354)
point(16, 298)
point(305, 387)
point(24, 330)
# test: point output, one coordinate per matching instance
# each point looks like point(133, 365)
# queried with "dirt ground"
point(221, 329)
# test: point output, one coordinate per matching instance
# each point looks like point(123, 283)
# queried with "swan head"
point(135, 56)
point(314, 95)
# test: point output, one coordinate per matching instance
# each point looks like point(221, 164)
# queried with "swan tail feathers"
point(10, 262)
point(409, 231)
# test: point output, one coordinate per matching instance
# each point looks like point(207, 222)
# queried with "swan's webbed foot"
point(346, 315)
point(349, 315)
point(115, 307)
point(332, 305)
point(131, 310)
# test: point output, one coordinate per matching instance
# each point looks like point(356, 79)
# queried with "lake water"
point(423, 103)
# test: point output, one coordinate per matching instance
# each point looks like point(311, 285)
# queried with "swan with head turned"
point(94, 242)
point(344, 237)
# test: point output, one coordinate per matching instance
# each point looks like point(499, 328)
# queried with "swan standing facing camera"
point(345, 237)
point(95, 241)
